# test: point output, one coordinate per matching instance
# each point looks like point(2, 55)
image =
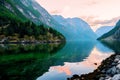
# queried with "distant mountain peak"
point(71, 28)
point(103, 29)
point(112, 35)
point(76, 27)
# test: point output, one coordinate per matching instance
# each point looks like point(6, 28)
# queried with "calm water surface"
point(50, 61)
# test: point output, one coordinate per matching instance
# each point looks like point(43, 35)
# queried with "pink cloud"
point(55, 12)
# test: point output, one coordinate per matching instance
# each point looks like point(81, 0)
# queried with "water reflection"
point(103, 48)
point(50, 61)
point(26, 62)
point(26, 48)
point(114, 45)
point(74, 51)
point(77, 58)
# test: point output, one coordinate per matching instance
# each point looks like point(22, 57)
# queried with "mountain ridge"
point(77, 26)
point(113, 35)
point(37, 14)
point(103, 29)
point(15, 27)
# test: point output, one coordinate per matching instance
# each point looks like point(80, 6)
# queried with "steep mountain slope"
point(102, 30)
point(112, 35)
point(15, 27)
point(76, 27)
point(32, 10)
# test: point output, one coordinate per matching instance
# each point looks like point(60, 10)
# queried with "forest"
point(16, 29)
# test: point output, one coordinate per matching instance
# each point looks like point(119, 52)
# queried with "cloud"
point(95, 23)
point(108, 22)
point(93, 20)
point(66, 8)
point(92, 2)
point(55, 12)
point(90, 19)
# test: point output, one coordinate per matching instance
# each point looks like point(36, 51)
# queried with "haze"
point(96, 12)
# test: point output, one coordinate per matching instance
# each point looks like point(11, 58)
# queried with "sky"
point(96, 13)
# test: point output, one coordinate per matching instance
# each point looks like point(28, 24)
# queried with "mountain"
point(30, 9)
point(102, 30)
point(17, 26)
point(112, 35)
point(76, 28)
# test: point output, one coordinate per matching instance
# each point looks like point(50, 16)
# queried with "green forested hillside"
point(14, 28)
point(8, 14)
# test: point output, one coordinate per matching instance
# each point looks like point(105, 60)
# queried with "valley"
point(36, 44)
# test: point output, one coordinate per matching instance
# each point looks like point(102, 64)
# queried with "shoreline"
point(108, 70)
point(32, 42)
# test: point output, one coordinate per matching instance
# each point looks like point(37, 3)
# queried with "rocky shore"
point(108, 70)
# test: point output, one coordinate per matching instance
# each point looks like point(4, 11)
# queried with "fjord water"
point(50, 61)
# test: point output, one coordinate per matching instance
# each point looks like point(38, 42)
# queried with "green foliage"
point(28, 28)
point(26, 62)
point(1, 2)
point(35, 12)
point(6, 15)
point(16, 11)
point(16, 27)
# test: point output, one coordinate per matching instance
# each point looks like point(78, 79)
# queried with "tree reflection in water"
point(26, 62)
